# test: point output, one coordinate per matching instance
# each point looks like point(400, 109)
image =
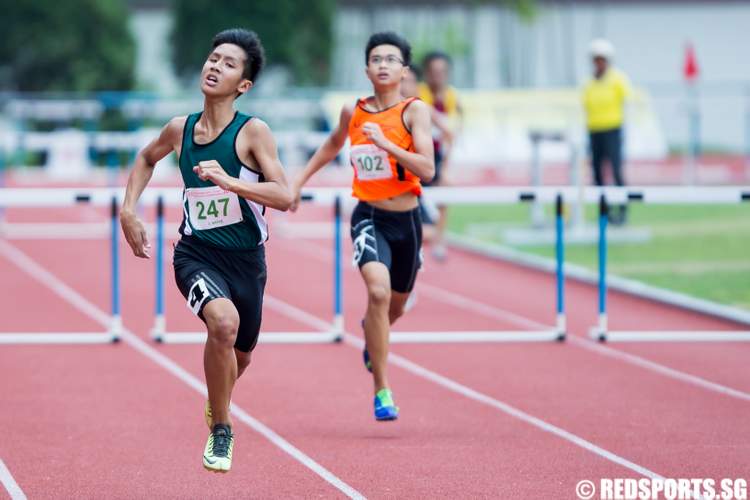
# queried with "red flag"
point(690, 68)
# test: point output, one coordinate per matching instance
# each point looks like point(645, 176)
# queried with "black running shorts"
point(393, 238)
point(204, 273)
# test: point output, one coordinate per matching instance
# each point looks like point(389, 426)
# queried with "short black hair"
point(248, 41)
point(434, 56)
point(389, 38)
point(416, 70)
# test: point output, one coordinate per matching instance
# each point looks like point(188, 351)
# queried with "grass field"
point(700, 250)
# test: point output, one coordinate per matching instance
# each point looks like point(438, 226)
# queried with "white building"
point(494, 48)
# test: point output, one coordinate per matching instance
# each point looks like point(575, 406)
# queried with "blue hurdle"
point(334, 334)
point(602, 332)
point(70, 198)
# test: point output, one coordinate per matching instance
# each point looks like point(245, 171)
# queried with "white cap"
point(601, 48)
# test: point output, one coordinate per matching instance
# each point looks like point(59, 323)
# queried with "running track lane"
point(690, 428)
point(305, 392)
point(87, 421)
point(530, 294)
point(449, 420)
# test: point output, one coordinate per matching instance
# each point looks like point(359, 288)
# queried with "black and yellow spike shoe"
point(217, 457)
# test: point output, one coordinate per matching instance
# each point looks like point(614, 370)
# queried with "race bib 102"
point(371, 162)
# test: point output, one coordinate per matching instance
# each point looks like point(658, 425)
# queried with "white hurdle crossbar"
point(333, 196)
point(334, 334)
point(503, 196)
point(11, 197)
point(658, 195)
point(54, 197)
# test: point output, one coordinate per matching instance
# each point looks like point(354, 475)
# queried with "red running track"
point(108, 421)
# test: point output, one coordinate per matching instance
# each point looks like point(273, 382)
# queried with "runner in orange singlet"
point(391, 153)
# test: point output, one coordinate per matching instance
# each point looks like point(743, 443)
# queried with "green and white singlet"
point(210, 214)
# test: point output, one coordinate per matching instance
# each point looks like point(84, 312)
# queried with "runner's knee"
point(378, 294)
point(222, 326)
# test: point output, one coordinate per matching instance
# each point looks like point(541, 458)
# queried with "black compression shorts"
point(393, 238)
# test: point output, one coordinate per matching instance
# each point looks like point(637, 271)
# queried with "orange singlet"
point(377, 175)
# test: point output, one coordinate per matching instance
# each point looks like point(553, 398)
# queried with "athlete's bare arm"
point(169, 140)
point(325, 153)
point(422, 162)
point(274, 192)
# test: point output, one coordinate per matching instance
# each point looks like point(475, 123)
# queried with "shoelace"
point(221, 444)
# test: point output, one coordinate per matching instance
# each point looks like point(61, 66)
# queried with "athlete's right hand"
point(135, 234)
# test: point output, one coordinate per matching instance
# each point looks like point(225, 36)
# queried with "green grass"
point(700, 250)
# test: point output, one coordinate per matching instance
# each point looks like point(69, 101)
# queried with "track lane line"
point(593, 346)
point(11, 486)
point(46, 278)
point(452, 385)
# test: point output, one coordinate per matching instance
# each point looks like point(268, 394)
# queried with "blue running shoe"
point(385, 408)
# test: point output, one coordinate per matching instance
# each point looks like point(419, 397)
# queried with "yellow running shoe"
point(208, 415)
point(217, 457)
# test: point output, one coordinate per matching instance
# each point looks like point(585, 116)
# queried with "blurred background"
point(85, 83)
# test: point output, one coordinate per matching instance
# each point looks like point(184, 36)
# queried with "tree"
point(75, 45)
point(525, 9)
point(295, 33)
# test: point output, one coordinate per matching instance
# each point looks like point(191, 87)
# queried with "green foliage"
point(449, 38)
point(295, 33)
point(526, 9)
point(75, 45)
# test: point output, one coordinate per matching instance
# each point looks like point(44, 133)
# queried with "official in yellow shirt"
point(604, 97)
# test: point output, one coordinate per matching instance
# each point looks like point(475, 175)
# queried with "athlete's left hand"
point(212, 171)
point(373, 132)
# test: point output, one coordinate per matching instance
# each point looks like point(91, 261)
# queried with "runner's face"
point(222, 71)
point(385, 66)
point(437, 73)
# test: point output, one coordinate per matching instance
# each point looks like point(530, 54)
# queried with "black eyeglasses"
point(390, 60)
